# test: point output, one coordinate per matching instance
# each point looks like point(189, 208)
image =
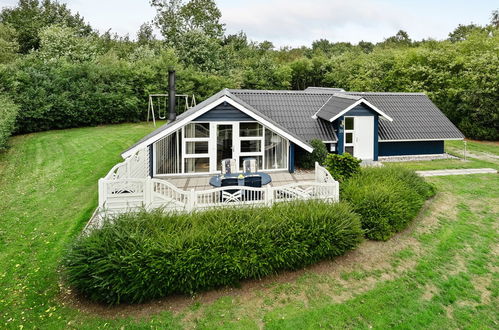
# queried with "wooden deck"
point(201, 182)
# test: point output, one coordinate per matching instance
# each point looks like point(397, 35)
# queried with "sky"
point(296, 23)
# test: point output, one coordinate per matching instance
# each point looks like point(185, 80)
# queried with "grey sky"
point(296, 23)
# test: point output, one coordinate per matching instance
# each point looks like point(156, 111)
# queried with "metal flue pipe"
point(172, 115)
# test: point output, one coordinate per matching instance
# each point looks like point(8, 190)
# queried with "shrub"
point(142, 256)
point(8, 114)
point(387, 199)
point(343, 166)
point(307, 160)
point(59, 94)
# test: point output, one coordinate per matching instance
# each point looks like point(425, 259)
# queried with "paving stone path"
point(456, 172)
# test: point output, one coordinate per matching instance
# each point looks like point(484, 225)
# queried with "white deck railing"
point(119, 193)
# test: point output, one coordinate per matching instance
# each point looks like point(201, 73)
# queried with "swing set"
point(160, 102)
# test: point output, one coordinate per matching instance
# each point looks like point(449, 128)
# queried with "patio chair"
point(228, 166)
point(230, 195)
point(254, 181)
point(249, 165)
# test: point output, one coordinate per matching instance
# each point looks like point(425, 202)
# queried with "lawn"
point(440, 273)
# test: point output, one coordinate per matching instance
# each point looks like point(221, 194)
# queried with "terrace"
point(128, 187)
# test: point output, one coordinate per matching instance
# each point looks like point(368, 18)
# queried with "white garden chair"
point(229, 166)
point(249, 165)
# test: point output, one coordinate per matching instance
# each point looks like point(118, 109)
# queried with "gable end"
point(224, 112)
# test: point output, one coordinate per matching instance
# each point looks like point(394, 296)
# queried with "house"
point(274, 126)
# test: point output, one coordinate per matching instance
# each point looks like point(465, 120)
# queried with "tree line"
point(60, 72)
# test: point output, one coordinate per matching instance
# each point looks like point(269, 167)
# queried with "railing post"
point(102, 192)
point(148, 192)
point(269, 195)
point(191, 200)
point(316, 172)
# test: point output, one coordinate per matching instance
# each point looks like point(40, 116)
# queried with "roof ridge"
point(384, 93)
point(274, 91)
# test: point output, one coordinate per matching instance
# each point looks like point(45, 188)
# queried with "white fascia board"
point(208, 107)
point(383, 115)
point(329, 141)
point(410, 140)
point(174, 127)
point(269, 125)
point(314, 116)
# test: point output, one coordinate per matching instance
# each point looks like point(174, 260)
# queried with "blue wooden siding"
point(224, 112)
point(359, 110)
point(151, 160)
point(376, 137)
point(291, 154)
point(411, 148)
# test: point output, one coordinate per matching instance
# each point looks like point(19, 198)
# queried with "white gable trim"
point(381, 113)
point(208, 107)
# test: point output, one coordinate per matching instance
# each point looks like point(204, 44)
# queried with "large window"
point(251, 146)
point(250, 143)
point(276, 150)
point(197, 130)
point(197, 165)
point(250, 129)
point(199, 147)
point(196, 148)
point(169, 154)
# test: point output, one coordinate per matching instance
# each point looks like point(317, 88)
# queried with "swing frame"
point(150, 107)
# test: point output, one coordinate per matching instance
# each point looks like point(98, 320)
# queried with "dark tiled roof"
point(415, 117)
point(336, 104)
point(293, 110)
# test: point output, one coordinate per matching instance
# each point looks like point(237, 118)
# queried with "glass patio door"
point(225, 145)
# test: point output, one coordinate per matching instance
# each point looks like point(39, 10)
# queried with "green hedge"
point(60, 94)
point(386, 198)
point(151, 255)
point(343, 166)
point(8, 114)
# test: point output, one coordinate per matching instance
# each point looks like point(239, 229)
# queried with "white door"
point(359, 136)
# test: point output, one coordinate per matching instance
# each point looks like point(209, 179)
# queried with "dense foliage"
point(461, 74)
point(386, 198)
point(342, 167)
point(143, 256)
point(8, 114)
point(306, 160)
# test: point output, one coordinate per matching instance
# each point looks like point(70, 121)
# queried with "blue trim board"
point(407, 148)
point(291, 154)
point(376, 137)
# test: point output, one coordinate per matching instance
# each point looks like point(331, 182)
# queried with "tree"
point(494, 18)
point(58, 41)
point(366, 46)
point(29, 17)
point(8, 43)
point(174, 19)
point(401, 38)
point(463, 31)
point(145, 35)
point(201, 51)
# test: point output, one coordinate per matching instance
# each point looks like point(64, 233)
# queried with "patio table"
point(216, 181)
